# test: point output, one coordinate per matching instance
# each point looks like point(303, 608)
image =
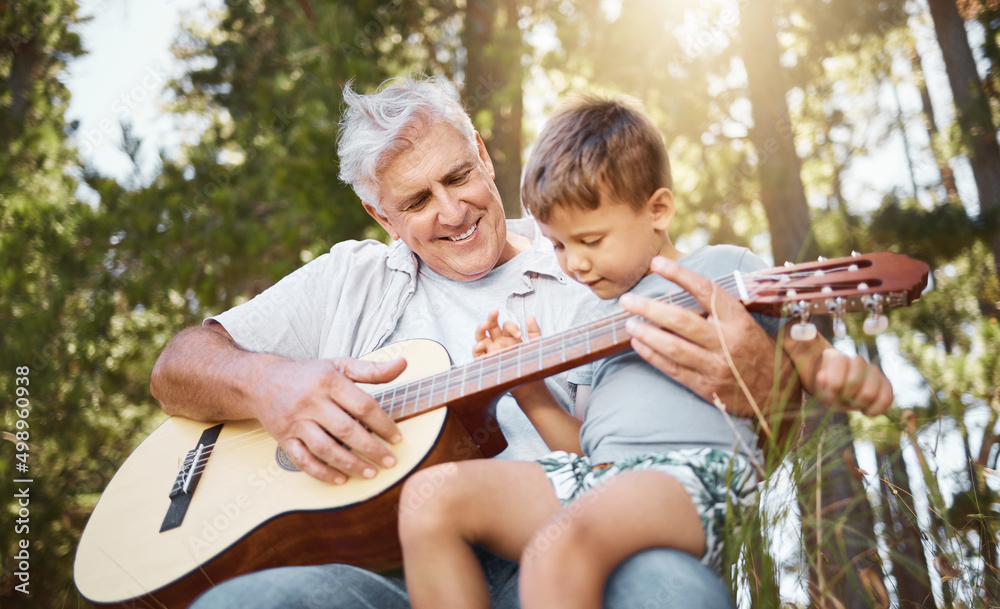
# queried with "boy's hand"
point(852, 383)
point(491, 338)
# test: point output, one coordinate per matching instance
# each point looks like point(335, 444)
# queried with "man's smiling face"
point(438, 196)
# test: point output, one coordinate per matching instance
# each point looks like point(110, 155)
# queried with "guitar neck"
point(497, 373)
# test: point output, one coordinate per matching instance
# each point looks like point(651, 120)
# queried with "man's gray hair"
point(372, 127)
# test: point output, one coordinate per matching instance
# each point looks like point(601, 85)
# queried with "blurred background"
point(162, 161)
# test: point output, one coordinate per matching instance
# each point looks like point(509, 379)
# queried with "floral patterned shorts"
point(717, 481)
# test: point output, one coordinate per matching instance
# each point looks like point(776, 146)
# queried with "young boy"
point(660, 467)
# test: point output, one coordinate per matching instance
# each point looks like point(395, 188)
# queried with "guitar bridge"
point(187, 478)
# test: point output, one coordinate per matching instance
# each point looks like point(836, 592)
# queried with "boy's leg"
point(569, 559)
point(446, 509)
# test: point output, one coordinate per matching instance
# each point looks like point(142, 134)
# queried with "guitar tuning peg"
point(789, 264)
point(876, 324)
point(839, 328)
point(804, 330)
point(837, 309)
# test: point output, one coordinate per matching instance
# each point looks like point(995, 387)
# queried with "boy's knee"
point(428, 498)
point(562, 541)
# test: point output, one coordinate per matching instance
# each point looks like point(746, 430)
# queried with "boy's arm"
point(559, 429)
point(837, 380)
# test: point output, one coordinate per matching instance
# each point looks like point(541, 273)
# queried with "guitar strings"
point(496, 364)
point(231, 450)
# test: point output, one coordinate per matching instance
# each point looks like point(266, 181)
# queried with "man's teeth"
point(466, 234)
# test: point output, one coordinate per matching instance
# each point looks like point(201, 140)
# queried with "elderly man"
point(288, 357)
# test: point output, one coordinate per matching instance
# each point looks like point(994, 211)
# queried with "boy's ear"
point(382, 220)
point(661, 208)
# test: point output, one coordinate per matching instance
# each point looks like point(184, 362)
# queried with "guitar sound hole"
point(284, 461)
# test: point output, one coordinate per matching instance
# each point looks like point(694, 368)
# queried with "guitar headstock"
point(861, 282)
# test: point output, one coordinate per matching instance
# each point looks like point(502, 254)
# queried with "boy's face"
point(609, 249)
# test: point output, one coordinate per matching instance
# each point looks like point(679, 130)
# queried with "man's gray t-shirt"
point(636, 409)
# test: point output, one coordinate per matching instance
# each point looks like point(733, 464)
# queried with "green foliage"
point(935, 235)
point(259, 194)
point(63, 316)
point(954, 345)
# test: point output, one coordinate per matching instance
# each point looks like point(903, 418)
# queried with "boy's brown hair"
point(593, 146)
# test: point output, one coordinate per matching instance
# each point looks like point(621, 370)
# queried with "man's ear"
point(661, 208)
point(485, 156)
point(382, 220)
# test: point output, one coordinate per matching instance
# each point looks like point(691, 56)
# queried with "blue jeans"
point(653, 579)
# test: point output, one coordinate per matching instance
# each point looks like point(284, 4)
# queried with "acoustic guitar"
point(197, 503)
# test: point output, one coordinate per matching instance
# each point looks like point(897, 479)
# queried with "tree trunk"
point(907, 148)
point(906, 550)
point(25, 61)
point(988, 14)
point(779, 167)
point(930, 122)
point(493, 89)
point(973, 113)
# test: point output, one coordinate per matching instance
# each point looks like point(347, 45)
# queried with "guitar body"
point(248, 512)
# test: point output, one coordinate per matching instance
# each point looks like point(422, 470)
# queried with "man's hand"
point(687, 346)
point(313, 408)
point(305, 404)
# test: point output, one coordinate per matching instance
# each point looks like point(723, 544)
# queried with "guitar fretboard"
point(539, 358)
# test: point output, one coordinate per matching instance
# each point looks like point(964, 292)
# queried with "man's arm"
point(305, 404)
